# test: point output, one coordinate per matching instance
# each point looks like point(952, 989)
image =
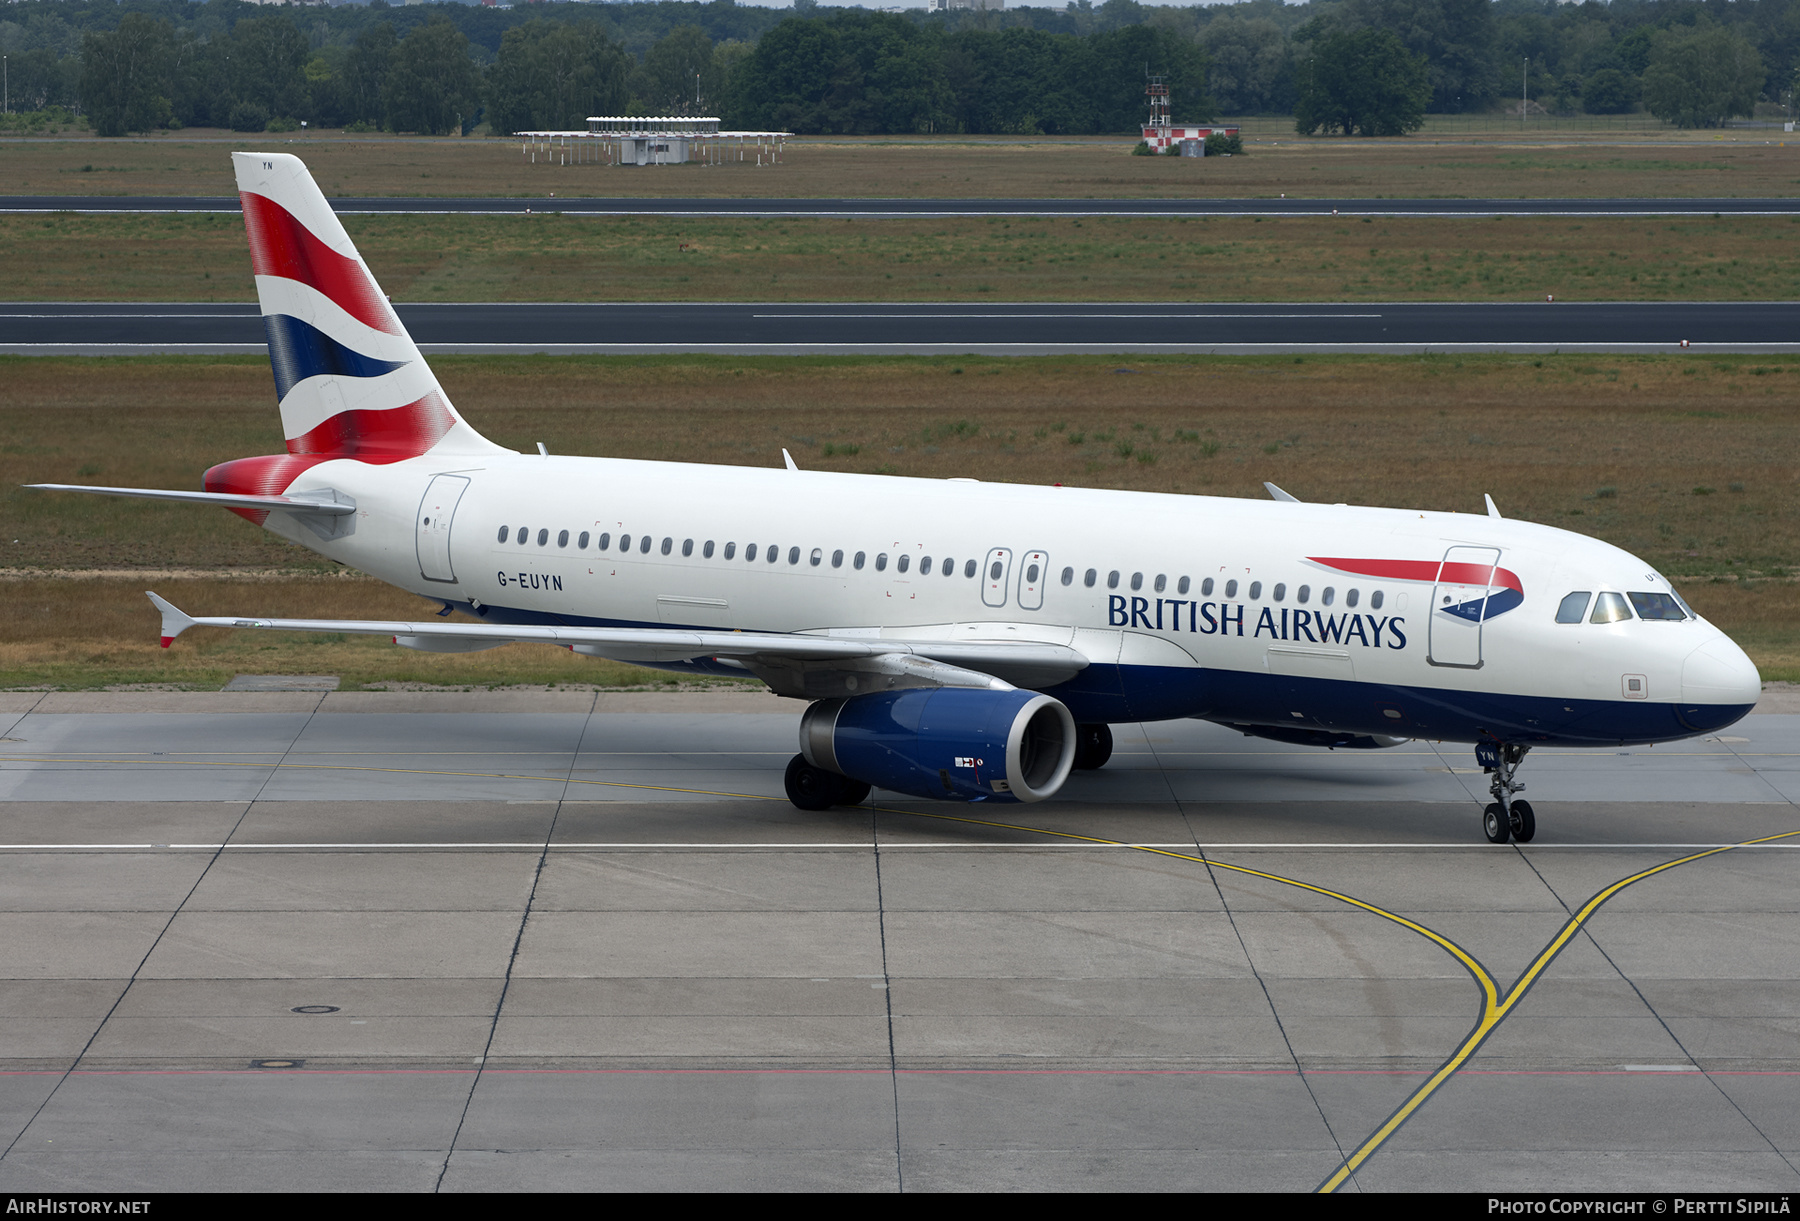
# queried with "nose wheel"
point(1505, 818)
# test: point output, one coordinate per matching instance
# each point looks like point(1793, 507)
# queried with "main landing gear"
point(1093, 746)
point(1505, 818)
point(814, 788)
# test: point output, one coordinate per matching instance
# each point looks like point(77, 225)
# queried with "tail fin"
point(350, 381)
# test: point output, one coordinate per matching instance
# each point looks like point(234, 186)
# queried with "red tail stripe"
point(281, 246)
point(1424, 570)
point(269, 475)
point(379, 436)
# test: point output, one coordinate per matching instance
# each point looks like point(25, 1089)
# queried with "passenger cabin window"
point(668, 545)
point(503, 532)
point(1573, 607)
point(644, 545)
point(749, 552)
point(1279, 592)
point(1375, 600)
point(605, 541)
point(1654, 606)
point(1181, 586)
point(624, 542)
point(544, 538)
point(730, 550)
point(948, 567)
point(1255, 590)
point(925, 567)
point(1031, 574)
point(1112, 579)
point(1137, 580)
point(1161, 583)
point(881, 562)
point(706, 551)
point(1349, 597)
point(837, 558)
point(1206, 588)
point(904, 562)
point(562, 539)
point(1610, 608)
point(969, 569)
point(1302, 594)
point(687, 546)
point(857, 563)
point(1231, 589)
point(524, 535)
point(774, 552)
point(582, 541)
point(793, 555)
point(1327, 597)
point(816, 558)
point(1068, 576)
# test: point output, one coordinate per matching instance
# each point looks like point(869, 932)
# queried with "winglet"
point(789, 459)
point(174, 620)
point(1493, 509)
point(1278, 494)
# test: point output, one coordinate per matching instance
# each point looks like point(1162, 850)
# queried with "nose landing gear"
point(1505, 818)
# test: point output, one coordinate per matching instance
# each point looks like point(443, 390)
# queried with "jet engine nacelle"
point(951, 743)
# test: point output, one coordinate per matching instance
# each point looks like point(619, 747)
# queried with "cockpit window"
point(1574, 606)
point(1610, 608)
point(1654, 605)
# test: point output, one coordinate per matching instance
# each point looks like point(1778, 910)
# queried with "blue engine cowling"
point(951, 743)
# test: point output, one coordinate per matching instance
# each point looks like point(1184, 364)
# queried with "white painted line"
point(886, 846)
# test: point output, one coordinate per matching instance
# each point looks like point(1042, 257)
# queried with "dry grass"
point(1687, 462)
point(563, 258)
point(1450, 160)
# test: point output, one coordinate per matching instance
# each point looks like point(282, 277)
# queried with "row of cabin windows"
point(1279, 592)
point(1613, 608)
point(645, 544)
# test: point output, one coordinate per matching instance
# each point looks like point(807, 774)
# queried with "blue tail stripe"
point(298, 350)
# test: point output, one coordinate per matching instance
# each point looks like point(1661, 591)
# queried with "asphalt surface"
point(632, 206)
point(989, 327)
point(553, 940)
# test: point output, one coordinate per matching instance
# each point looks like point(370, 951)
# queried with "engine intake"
point(950, 743)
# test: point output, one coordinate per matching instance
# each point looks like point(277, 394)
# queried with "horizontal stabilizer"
point(225, 500)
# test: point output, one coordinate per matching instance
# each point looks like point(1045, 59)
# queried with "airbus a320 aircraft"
point(956, 639)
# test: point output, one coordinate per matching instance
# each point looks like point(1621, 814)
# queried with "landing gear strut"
point(1093, 746)
point(814, 788)
point(1504, 817)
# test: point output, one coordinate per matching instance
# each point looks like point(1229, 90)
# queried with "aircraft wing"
point(793, 664)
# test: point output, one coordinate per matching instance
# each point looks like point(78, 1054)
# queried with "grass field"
point(72, 257)
point(1453, 159)
point(1685, 461)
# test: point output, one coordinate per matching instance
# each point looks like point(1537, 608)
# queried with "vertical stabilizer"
point(350, 381)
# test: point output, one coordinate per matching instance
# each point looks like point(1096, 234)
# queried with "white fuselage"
point(1018, 561)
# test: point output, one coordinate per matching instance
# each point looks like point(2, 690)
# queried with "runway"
point(993, 328)
point(560, 940)
point(874, 208)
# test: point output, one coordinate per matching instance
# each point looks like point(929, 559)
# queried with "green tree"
point(125, 83)
point(1456, 37)
point(675, 69)
point(431, 80)
point(551, 75)
point(1362, 82)
point(1609, 91)
point(1701, 77)
point(268, 65)
point(365, 73)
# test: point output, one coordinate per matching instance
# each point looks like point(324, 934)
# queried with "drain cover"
point(315, 1009)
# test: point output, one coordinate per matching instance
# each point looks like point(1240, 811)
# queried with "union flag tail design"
point(350, 381)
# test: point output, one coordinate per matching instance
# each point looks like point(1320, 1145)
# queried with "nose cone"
point(1718, 672)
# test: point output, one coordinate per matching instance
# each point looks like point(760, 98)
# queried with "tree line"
point(1355, 66)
